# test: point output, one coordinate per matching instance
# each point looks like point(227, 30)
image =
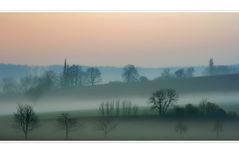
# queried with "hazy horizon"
point(118, 66)
point(116, 39)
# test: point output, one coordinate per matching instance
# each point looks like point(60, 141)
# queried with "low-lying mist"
point(228, 100)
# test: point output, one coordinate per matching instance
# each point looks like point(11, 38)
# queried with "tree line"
point(74, 76)
point(163, 102)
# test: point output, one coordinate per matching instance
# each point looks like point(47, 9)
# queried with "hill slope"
point(206, 84)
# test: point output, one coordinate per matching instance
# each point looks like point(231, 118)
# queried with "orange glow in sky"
point(117, 39)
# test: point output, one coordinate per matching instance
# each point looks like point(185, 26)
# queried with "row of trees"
point(76, 76)
point(213, 69)
point(181, 128)
point(162, 101)
point(180, 73)
point(26, 120)
point(72, 77)
point(116, 108)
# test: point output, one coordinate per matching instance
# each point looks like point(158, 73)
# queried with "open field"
point(204, 84)
point(222, 90)
point(135, 128)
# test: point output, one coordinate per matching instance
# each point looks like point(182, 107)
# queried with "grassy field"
point(136, 128)
point(204, 84)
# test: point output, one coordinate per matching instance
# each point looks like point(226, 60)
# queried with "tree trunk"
point(105, 134)
point(67, 134)
point(25, 135)
point(217, 134)
point(181, 134)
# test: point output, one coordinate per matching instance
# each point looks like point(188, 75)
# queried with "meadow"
point(83, 103)
point(128, 128)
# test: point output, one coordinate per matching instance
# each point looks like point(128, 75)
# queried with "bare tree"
point(130, 73)
point(106, 125)
point(180, 73)
point(210, 109)
point(93, 75)
point(106, 120)
point(25, 119)
point(143, 79)
point(181, 128)
point(161, 100)
point(217, 127)
point(166, 74)
point(67, 123)
point(72, 76)
point(126, 108)
point(203, 106)
point(117, 108)
point(189, 72)
point(135, 110)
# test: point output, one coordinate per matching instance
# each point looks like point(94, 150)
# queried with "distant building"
point(72, 75)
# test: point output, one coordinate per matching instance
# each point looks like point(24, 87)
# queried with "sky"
point(118, 39)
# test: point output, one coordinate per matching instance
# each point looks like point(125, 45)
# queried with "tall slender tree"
point(211, 66)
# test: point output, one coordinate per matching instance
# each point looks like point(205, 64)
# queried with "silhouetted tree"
point(73, 76)
point(181, 128)
point(76, 76)
point(192, 111)
point(203, 106)
point(67, 123)
point(179, 111)
point(130, 73)
point(93, 75)
point(126, 108)
point(189, 72)
point(180, 73)
point(211, 66)
point(210, 109)
point(25, 119)
point(48, 80)
point(143, 79)
point(166, 74)
point(106, 121)
point(81, 77)
point(232, 114)
point(217, 127)
point(106, 125)
point(161, 100)
point(107, 108)
point(135, 110)
point(117, 108)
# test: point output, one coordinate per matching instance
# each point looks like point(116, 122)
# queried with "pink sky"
point(117, 39)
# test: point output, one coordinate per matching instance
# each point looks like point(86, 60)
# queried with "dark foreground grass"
point(129, 128)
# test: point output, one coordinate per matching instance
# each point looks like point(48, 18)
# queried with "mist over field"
point(53, 104)
point(110, 76)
